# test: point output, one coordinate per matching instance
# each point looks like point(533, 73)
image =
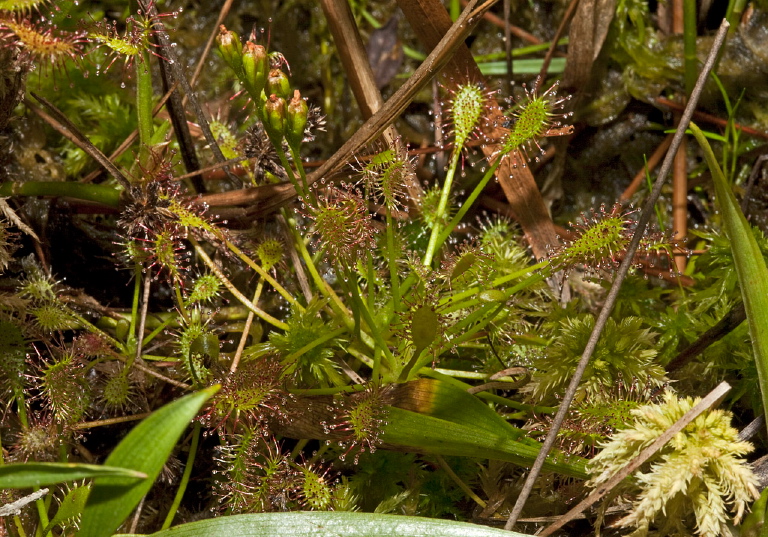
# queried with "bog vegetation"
point(211, 318)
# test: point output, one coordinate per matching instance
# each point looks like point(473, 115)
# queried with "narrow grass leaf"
point(432, 435)
point(41, 474)
point(433, 416)
point(145, 449)
point(750, 264)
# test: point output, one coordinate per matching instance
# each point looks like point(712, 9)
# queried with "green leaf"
point(41, 474)
point(331, 524)
point(431, 435)
point(70, 507)
point(749, 262)
point(145, 449)
point(432, 416)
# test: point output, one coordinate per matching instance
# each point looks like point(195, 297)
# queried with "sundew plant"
point(225, 306)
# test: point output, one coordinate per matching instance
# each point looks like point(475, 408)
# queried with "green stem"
point(298, 448)
point(92, 328)
point(264, 274)
point(441, 208)
point(162, 326)
point(19, 526)
point(376, 369)
point(518, 52)
point(184, 478)
point(360, 356)
point(288, 169)
point(460, 328)
point(733, 13)
point(42, 513)
point(469, 201)
point(180, 301)
point(371, 281)
point(246, 329)
point(352, 388)
point(482, 323)
point(21, 406)
point(320, 283)
point(302, 174)
point(372, 326)
point(499, 282)
point(394, 277)
point(456, 479)
point(132, 335)
point(144, 105)
point(106, 195)
point(689, 45)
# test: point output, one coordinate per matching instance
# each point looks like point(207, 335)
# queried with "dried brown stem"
point(553, 45)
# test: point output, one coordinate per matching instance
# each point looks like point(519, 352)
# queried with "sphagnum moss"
point(701, 469)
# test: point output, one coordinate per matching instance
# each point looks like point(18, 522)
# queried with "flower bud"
point(231, 49)
point(255, 69)
point(296, 120)
point(278, 83)
point(274, 118)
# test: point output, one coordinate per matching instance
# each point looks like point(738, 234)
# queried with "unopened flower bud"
point(231, 49)
point(296, 119)
point(278, 83)
point(255, 69)
point(274, 118)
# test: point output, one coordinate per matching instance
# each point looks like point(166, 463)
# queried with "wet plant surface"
point(262, 287)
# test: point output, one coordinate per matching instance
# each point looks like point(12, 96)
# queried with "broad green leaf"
point(437, 417)
point(330, 524)
point(749, 261)
point(145, 449)
point(450, 402)
point(41, 474)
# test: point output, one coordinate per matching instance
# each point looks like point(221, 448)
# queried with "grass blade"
point(749, 261)
point(432, 416)
point(41, 474)
point(145, 449)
